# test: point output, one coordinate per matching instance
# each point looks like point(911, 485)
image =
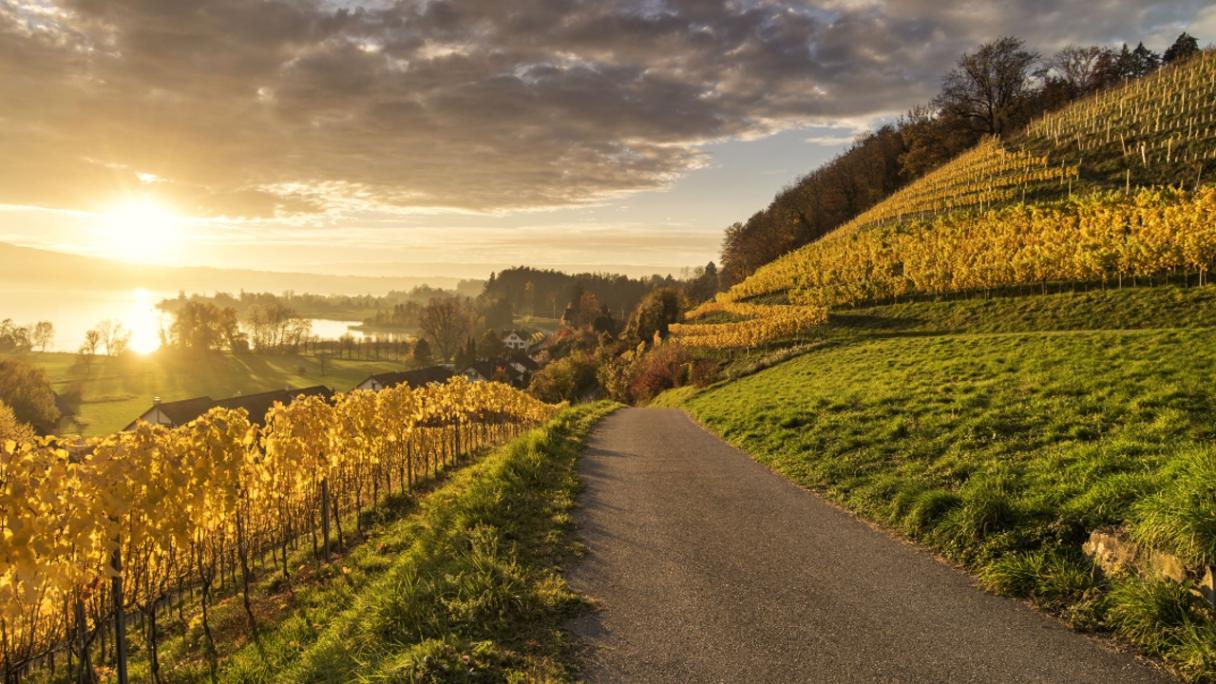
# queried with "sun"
point(140, 230)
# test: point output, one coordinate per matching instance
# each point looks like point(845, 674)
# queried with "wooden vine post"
point(120, 619)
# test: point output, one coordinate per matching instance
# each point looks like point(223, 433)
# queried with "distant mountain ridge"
point(28, 265)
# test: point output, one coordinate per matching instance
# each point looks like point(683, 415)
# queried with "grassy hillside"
point(1093, 309)
point(115, 391)
point(1002, 431)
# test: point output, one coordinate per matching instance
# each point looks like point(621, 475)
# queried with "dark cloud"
point(255, 108)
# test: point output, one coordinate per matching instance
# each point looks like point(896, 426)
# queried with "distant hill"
point(26, 265)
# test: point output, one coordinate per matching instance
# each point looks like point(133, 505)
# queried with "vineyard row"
point(93, 532)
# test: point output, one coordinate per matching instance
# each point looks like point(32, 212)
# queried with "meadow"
point(114, 391)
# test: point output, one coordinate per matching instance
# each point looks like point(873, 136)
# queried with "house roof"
point(258, 404)
point(186, 410)
point(484, 368)
point(414, 378)
point(526, 361)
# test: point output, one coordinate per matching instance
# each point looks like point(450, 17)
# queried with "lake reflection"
point(74, 312)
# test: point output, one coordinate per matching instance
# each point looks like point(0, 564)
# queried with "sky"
point(455, 137)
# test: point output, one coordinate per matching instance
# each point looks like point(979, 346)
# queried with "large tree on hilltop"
point(988, 86)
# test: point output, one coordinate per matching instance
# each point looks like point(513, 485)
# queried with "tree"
point(44, 334)
point(490, 345)
point(92, 340)
point(26, 390)
point(1082, 69)
point(12, 428)
point(567, 379)
point(988, 86)
point(114, 337)
point(1185, 47)
point(703, 284)
point(14, 338)
point(1139, 62)
point(202, 326)
point(446, 322)
point(467, 354)
point(657, 311)
point(422, 351)
point(496, 312)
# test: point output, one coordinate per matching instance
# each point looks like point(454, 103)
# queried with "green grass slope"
point(1001, 432)
point(115, 391)
point(1092, 309)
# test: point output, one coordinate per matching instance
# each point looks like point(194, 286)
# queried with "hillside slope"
point(1109, 190)
point(1002, 432)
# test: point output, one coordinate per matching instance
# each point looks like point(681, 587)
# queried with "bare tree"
point(989, 85)
point(44, 334)
point(447, 322)
point(92, 340)
point(1081, 68)
point(114, 337)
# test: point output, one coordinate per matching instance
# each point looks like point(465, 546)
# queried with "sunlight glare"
point(144, 322)
point(140, 230)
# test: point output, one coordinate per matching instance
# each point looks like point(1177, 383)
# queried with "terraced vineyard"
point(1108, 189)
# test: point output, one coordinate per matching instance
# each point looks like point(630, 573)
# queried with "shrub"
point(11, 428)
point(567, 379)
point(663, 367)
point(26, 390)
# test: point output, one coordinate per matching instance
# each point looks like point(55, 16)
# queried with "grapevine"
point(138, 518)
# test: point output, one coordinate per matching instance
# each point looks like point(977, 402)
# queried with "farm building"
point(414, 378)
point(174, 413)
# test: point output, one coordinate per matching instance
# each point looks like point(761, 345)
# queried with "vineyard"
point(1107, 189)
point(752, 324)
point(1156, 130)
point(152, 521)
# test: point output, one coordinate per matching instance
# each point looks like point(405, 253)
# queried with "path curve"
point(710, 568)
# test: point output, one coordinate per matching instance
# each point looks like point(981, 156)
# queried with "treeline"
point(397, 305)
point(23, 338)
point(995, 90)
point(547, 293)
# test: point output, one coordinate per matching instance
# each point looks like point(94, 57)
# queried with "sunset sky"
point(455, 137)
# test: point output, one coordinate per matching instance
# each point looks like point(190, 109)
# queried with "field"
point(1002, 431)
point(115, 391)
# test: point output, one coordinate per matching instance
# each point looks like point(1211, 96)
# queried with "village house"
point(486, 371)
point(175, 413)
point(414, 378)
point(517, 340)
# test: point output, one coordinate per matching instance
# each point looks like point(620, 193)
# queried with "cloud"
point(302, 107)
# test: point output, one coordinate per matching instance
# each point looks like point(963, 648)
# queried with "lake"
point(74, 312)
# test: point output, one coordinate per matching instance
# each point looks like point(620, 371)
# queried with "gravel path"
point(710, 568)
